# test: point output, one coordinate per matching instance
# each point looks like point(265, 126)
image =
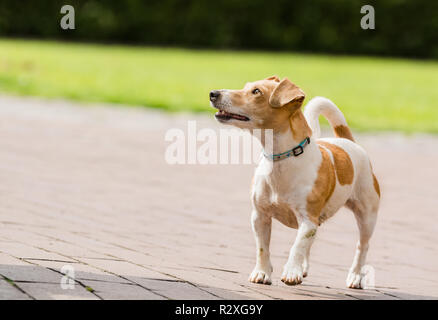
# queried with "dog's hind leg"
point(366, 216)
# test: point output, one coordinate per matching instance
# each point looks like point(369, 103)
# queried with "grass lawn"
point(373, 93)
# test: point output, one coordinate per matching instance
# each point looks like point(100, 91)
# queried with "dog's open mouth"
point(224, 116)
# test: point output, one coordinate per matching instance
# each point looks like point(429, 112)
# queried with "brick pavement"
point(87, 186)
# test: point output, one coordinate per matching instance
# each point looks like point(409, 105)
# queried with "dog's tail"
point(329, 110)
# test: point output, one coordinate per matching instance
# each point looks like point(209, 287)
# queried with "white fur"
point(322, 106)
point(286, 184)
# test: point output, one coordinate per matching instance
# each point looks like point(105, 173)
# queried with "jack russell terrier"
point(306, 180)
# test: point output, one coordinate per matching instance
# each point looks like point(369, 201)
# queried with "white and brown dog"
point(306, 180)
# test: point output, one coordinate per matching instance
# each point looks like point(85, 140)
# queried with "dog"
point(306, 180)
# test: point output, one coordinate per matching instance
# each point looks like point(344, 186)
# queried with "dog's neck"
point(288, 136)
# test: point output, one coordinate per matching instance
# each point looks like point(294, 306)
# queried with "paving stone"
point(231, 295)
point(50, 291)
point(176, 290)
point(26, 251)
point(126, 269)
point(121, 291)
point(10, 292)
point(29, 273)
point(82, 271)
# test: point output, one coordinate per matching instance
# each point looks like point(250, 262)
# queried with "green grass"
point(373, 93)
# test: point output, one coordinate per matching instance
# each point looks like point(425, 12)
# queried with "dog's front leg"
point(261, 225)
point(293, 269)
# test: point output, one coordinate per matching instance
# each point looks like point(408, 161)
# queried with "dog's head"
point(263, 104)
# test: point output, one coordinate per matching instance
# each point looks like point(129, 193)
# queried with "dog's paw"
point(355, 280)
point(292, 275)
point(305, 269)
point(260, 276)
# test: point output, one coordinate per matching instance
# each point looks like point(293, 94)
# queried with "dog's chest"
point(283, 212)
point(268, 202)
point(281, 188)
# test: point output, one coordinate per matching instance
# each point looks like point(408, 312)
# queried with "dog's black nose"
point(214, 95)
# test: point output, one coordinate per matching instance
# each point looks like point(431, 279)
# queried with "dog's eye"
point(256, 91)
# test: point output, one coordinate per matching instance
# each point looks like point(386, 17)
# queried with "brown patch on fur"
point(322, 189)
point(300, 128)
point(280, 210)
point(342, 131)
point(375, 182)
point(275, 78)
point(343, 164)
point(257, 107)
point(287, 93)
point(310, 234)
point(285, 96)
point(376, 185)
point(284, 213)
point(238, 98)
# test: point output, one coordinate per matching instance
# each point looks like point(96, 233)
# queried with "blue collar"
point(299, 149)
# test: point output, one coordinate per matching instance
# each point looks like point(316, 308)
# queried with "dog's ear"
point(275, 78)
point(287, 93)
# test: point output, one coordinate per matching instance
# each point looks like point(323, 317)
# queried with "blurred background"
point(83, 174)
point(169, 54)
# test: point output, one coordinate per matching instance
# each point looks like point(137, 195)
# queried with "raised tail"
point(331, 112)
